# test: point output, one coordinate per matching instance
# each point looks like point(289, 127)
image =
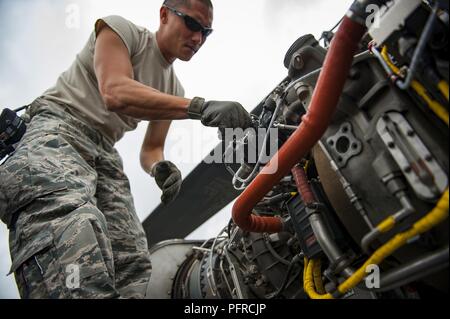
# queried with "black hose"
point(273, 252)
point(297, 258)
point(426, 34)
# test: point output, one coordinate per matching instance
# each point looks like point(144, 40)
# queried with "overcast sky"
point(242, 61)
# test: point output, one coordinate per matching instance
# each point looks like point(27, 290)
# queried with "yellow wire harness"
point(317, 275)
point(436, 216)
point(312, 281)
point(308, 281)
point(435, 106)
point(443, 87)
point(387, 225)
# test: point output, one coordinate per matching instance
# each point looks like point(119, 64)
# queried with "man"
point(74, 232)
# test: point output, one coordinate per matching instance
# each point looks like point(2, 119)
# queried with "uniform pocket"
point(35, 170)
point(41, 243)
point(37, 269)
point(72, 259)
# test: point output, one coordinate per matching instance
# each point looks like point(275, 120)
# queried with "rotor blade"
point(206, 191)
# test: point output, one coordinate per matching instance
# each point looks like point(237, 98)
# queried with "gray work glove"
point(169, 180)
point(221, 114)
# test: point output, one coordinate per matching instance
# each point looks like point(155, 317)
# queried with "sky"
point(241, 61)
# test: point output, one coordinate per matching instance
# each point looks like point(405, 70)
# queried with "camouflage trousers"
point(74, 232)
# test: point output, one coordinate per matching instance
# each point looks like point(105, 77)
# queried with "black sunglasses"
point(191, 23)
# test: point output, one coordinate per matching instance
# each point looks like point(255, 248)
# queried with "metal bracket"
point(344, 145)
point(417, 163)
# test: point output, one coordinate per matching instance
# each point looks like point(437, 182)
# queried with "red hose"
point(314, 124)
point(303, 186)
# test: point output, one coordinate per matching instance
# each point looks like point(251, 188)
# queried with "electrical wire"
point(435, 106)
point(443, 87)
point(433, 218)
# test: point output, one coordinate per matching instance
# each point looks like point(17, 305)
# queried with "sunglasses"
point(191, 23)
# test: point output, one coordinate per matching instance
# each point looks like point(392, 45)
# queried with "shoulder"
point(131, 34)
point(120, 23)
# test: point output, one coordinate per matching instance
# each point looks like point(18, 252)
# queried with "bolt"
point(410, 133)
point(391, 145)
point(408, 169)
point(428, 158)
point(298, 62)
point(253, 269)
point(302, 91)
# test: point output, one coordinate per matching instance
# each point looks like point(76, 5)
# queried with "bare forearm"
point(150, 157)
point(134, 99)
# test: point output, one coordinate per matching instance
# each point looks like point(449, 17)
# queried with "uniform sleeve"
point(126, 30)
point(180, 90)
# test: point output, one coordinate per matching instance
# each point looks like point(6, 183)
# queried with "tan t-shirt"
point(78, 86)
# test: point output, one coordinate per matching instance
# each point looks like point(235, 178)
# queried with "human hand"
point(221, 114)
point(169, 179)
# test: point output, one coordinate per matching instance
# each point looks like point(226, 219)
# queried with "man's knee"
point(71, 259)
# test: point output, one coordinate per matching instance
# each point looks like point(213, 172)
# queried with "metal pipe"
point(263, 149)
point(252, 175)
point(426, 34)
point(406, 210)
point(275, 199)
point(323, 105)
point(333, 252)
point(413, 271)
point(318, 225)
point(286, 127)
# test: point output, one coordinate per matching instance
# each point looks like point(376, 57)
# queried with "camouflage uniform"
point(74, 232)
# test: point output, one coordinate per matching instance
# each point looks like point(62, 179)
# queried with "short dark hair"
point(186, 3)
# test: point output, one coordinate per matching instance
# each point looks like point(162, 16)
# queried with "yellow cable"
point(443, 87)
point(386, 225)
point(437, 215)
point(437, 108)
point(308, 283)
point(385, 55)
point(317, 276)
point(305, 265)
point(306, 166)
